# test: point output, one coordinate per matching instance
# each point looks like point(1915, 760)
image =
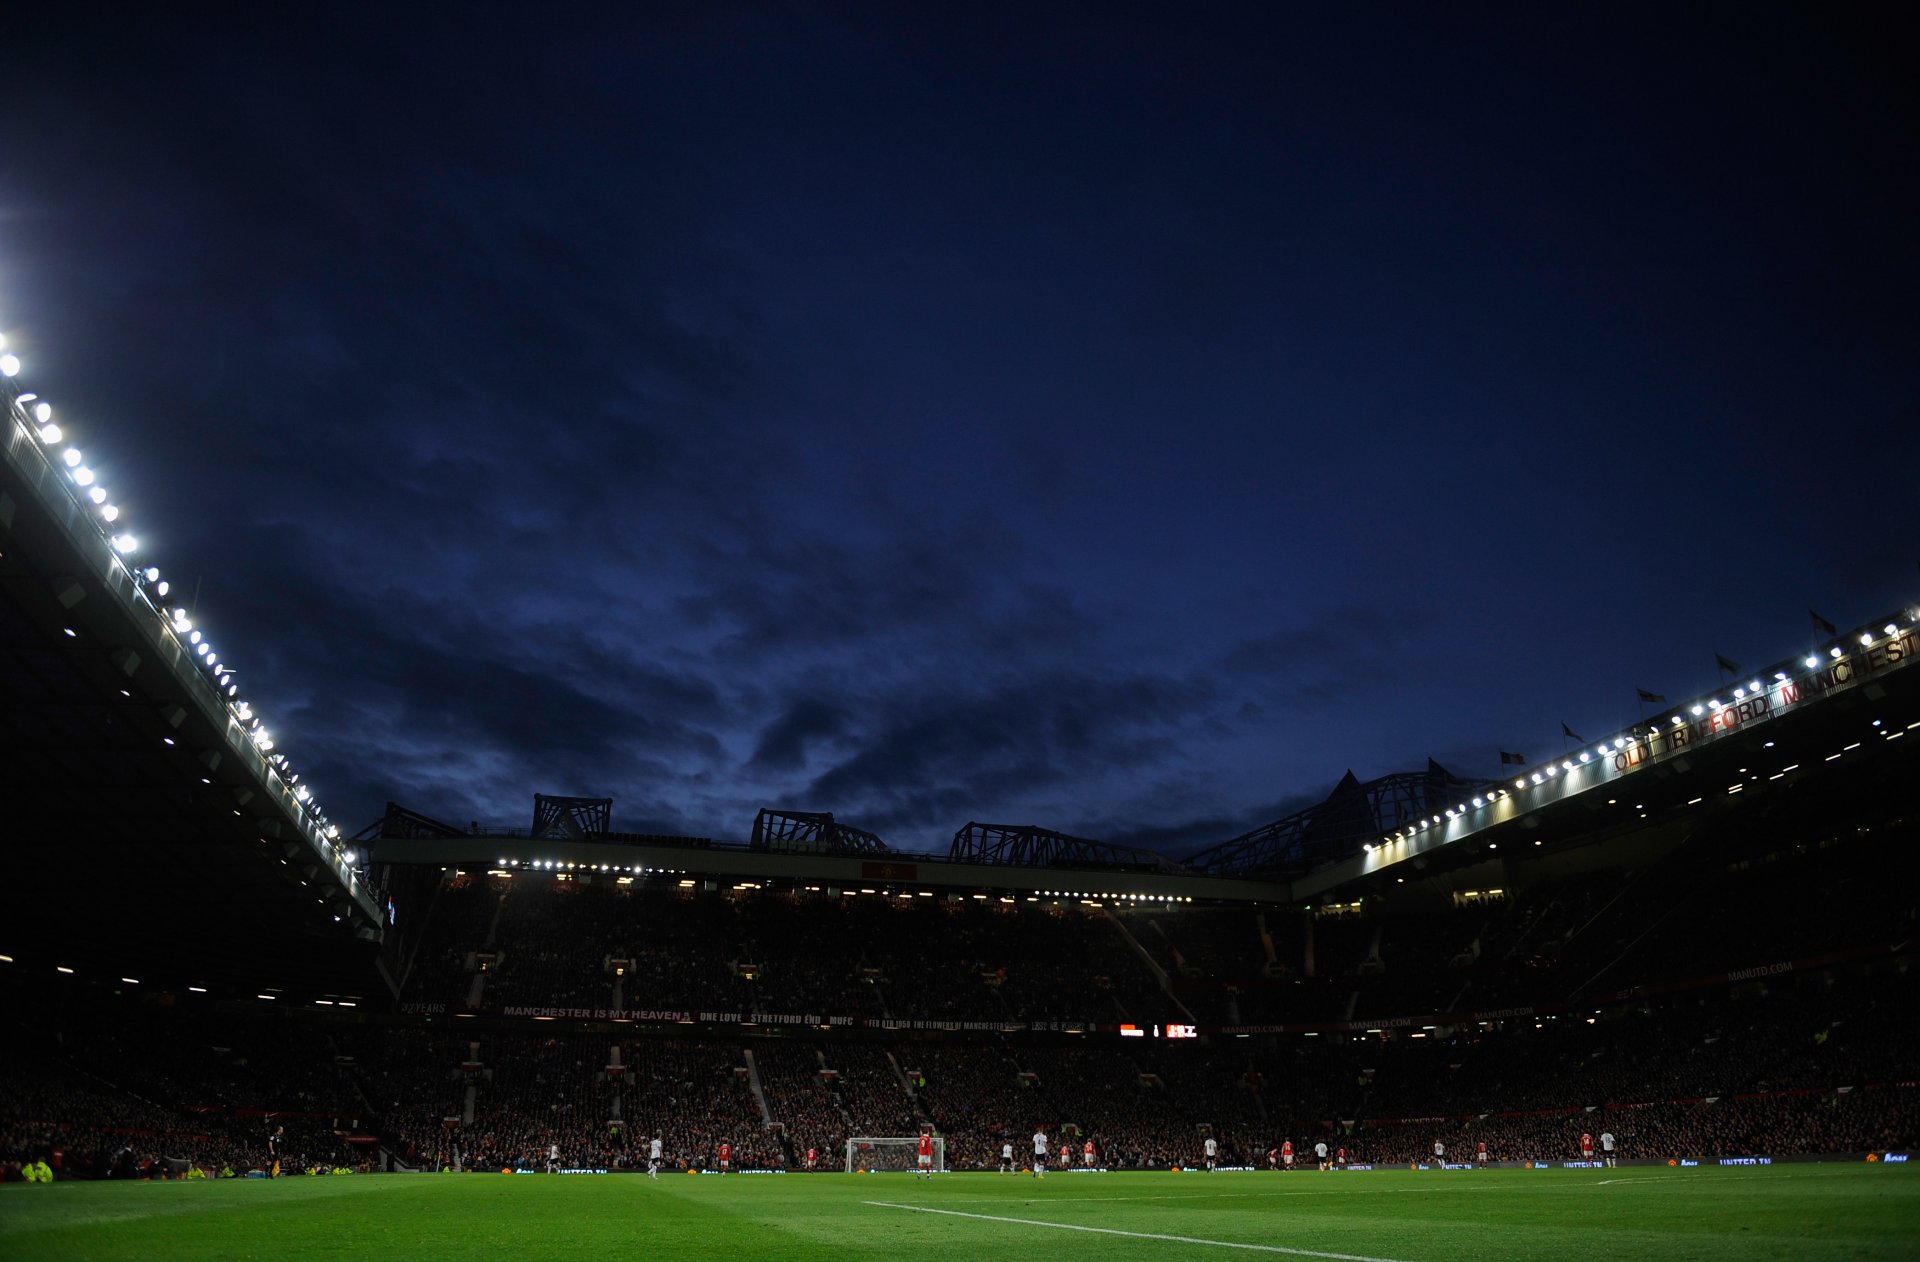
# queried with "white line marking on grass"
point(1137, 1235)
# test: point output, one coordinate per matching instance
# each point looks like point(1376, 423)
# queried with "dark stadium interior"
point(1707, 952)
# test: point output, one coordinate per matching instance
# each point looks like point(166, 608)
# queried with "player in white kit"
point(653, 1158)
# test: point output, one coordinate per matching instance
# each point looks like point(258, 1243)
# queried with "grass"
point(1800, 1212)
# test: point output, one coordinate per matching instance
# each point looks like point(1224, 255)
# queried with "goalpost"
point(878, 1153)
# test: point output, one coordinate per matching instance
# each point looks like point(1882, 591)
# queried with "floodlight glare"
point(43, 411)
point(1813, 660)
point(109, 513)
point(9, 365)
point(124, 544)
point(72, 456)
point(1754, 686)
point(49, 434)
point(1890, 629)
point(83, 475)
point(98, 495)
point(1836, 651)
point(1866, 637)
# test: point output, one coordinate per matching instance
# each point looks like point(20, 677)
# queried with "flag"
point(1732, 668)
point(1822, 623)
point(1650, 698)
point(1512, 760)
point(1572, 735)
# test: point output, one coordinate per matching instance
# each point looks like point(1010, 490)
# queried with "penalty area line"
point(1136, 1235)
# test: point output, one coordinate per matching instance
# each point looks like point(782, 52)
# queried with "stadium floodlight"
point(1519, 784)
point(1755, 687)
point(1837, 651)
point(1891, 629)
point(9, 365)
point(1866, 637)
point(1813, 661)
point(124, 544)
point(72, 456)
point(1715, 704)
point(50, 434)
point(43, 411)
point(1678, 721)
point(98, 495)
point(1585, 756)
point(83, 475)
point(1739, 692)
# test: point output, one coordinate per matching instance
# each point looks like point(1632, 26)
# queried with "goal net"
point(875, 1154)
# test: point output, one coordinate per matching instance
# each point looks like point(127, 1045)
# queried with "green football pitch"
point(1789, 1212)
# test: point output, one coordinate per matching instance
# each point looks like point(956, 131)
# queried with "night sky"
point(1118, 419)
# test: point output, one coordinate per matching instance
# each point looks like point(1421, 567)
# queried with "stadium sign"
point(1768, 702)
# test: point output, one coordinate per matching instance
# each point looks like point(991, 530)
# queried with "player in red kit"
point(813, 1157)
point(1480, 1153)
point(1066, 1156)
point(1086, 1153)
point(1340, 1157)
point(725, 1154)
point(1586, 1146)
point(1286, 1154)
point(924, 1168)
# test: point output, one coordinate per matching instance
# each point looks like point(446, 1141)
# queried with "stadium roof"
point(142, 810)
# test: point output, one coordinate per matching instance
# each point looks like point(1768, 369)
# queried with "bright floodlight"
point(109, 512)
point(1836, 651)
point(72, 456)
point(10, 365)
point(98, 495)
point(1866, 637)
point(1754, 686)
point(346, 856)
point(43, 411)
point(1813, 660)
point(1890, 629)
point(124, 544)
point(83, 475)
point(50, 434)
point(153, 573)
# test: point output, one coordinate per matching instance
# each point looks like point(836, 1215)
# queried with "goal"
point(881, 1153)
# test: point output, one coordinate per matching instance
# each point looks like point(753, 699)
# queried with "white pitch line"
point(1137, 1235)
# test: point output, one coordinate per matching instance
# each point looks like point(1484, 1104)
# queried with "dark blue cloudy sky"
point(1118, 418)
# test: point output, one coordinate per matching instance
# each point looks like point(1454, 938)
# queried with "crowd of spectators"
point(1786, 1060)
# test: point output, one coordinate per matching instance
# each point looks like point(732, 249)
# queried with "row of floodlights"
point(37, 414)
point(1617, 744)
point(562, 865)
point(67, 970)
point(505, 866)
